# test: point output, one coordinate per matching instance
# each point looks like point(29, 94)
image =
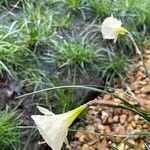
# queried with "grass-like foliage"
point(113, 65)
point(9, 49)
point(64, 18)
point(75, 59)
point(101, 8)
point(72, 55)
point(9, 132)
point(36, 23)
point(74, 3)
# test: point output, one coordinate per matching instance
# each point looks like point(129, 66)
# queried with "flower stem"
point(63, 87)
point(139, 53)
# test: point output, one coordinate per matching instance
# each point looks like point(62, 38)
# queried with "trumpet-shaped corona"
point(111, 28)
point(54, 128)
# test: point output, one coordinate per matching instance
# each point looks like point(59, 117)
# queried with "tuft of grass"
point(74, 53)
point(75, 4)
point(64, 18)
point(71, 54)
point(113, 65)
point(36, 24)
point(9, 132)
point(10, 49)
point(101, 8)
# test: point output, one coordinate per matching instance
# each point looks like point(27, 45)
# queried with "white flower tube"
point(54, 128)
point(111, 28)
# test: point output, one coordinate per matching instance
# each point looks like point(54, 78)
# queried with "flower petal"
point(51, 130)
point(44, 111)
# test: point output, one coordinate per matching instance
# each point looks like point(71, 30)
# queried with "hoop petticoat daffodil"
point(111, 28)
point(54, 128)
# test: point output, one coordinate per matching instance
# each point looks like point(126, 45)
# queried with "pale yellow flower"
point(54, 128)
point(111, 28)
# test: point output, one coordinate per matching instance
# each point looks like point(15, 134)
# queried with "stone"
point(110, 120)
point(136, 117)
point(137, 91)
point(101, 147)
point(91, 141)
point(120, 129)
point(145, 89)
point(134, 86)
point(147, 64)
point(82, 138)
point(115, 118)
point(133, 124)
point(90, 128)
point(107, 97)
point(142, 96)
point(121, 146)
point(78, 134)
point(107, 130)
point(104, 117)
point(101, 127)
point(146, 126)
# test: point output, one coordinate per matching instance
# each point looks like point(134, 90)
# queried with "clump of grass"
point(72, 56)
point(65, 20)
point(101, 8)
point(36, 24)
point(10, 50)
point(74, 3)
point(73, 53)
point(9, 132)
point(113, 65)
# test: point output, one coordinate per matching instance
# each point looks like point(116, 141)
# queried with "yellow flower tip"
point(121, 30)
point(54, 128)
point(75, 113)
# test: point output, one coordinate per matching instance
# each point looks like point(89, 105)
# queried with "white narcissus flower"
point(111, 28)
point(54, 128)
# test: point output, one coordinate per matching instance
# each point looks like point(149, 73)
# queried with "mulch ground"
point(115, 121)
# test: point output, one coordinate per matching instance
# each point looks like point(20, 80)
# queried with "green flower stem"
point(139, 53)
point(86, 87)
point(63, 87)
point(124, 104)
